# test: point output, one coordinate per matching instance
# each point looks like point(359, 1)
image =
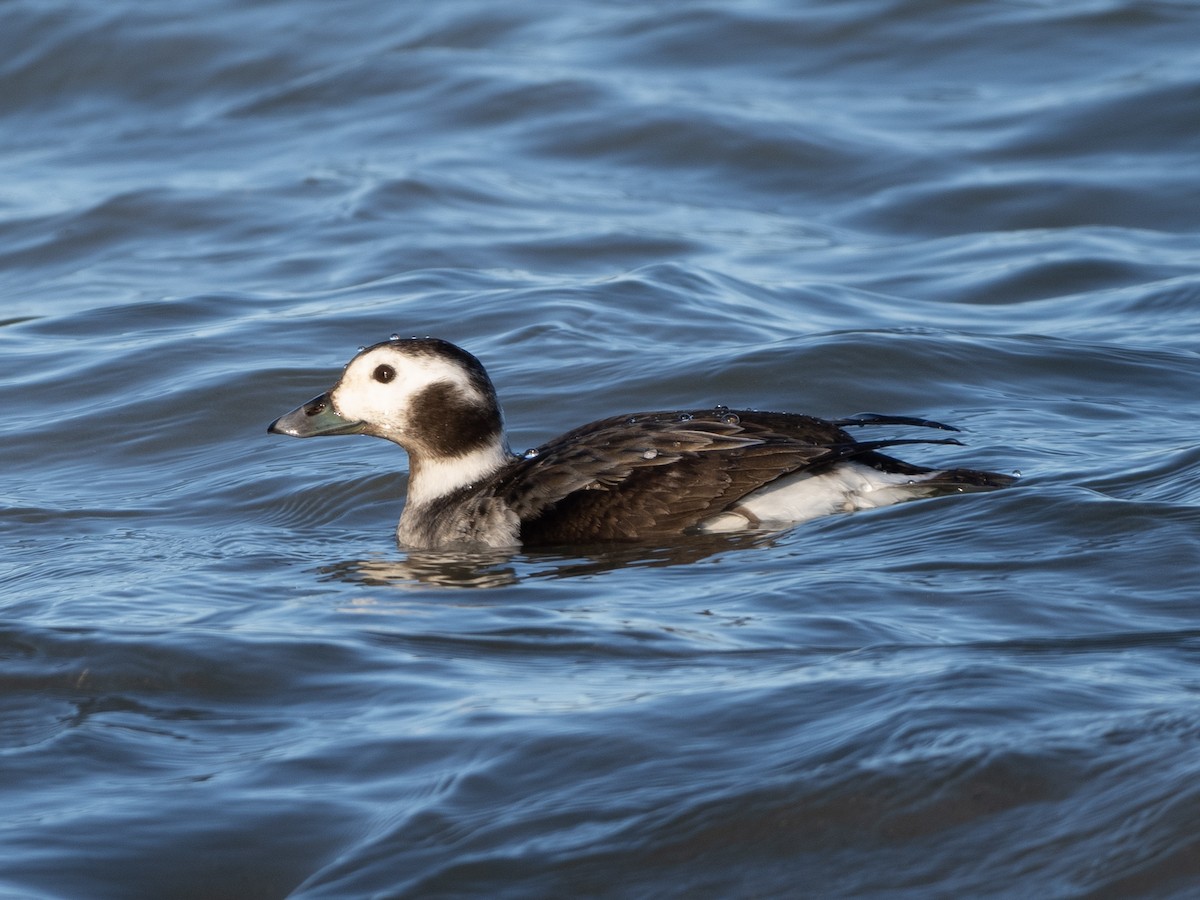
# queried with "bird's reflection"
point(467, 569)
point(490, 568)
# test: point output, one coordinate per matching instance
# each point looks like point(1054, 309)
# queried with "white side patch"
point(796, 498)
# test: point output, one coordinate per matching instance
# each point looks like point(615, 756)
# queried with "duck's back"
point(651, 476)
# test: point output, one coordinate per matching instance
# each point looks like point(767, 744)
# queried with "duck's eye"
point(383, 374)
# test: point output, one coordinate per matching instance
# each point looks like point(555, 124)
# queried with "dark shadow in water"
point(496, 568)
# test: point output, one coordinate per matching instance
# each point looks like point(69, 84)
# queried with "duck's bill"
point(316, 417)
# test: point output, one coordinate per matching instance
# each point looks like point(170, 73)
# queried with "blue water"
point(220, 677)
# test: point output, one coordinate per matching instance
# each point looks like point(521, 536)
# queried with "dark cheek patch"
point(450, 424)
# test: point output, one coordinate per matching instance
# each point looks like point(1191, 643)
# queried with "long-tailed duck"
point(640, 477)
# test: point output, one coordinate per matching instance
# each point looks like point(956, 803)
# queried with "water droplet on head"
point(531, 453)
point(720, 408)
point(632, 420)
point(649, 454)
point(685, 417)
point(394, 337)
point(361, 349)
point(731, 418)
point(1016, 473)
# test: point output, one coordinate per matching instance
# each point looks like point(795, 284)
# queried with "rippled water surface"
point(220, 677)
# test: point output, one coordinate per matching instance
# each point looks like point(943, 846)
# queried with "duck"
point(637, 477)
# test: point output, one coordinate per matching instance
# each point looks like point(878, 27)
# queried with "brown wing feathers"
point(636, 477)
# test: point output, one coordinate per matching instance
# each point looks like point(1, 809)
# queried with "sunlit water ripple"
point(221, 677)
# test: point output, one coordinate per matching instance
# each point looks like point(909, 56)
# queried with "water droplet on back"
point(731, 418)
point(685, 417)
point(1016, 473)
point(649, 454)
point(531, 453)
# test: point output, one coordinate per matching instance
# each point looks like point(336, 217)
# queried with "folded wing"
point(654, 475)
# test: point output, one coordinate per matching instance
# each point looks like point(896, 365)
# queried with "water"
point(221, 678)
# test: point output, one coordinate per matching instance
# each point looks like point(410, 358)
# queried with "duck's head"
point(427, 395)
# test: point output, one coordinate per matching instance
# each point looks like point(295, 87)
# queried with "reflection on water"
point(484, 569)
point(488, 568)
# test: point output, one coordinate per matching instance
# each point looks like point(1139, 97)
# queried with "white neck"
point(430, 478)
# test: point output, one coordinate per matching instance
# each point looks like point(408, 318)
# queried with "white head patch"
point(380, 383)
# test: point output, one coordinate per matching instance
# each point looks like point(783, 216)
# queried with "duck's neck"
point(431, 476)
